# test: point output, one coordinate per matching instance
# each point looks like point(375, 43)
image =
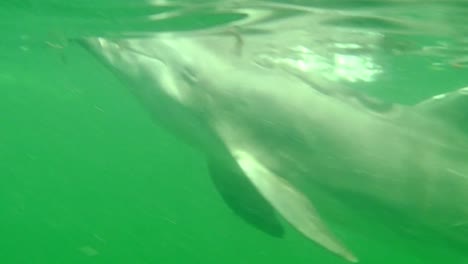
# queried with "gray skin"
point(279, 130)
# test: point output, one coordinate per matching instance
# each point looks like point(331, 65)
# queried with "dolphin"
point(264, 129)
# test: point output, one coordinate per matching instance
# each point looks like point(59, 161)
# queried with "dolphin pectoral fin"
point(451, 107)
point(242, 197)
point(291, 204)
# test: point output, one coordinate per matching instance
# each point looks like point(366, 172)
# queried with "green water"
point(87, 177)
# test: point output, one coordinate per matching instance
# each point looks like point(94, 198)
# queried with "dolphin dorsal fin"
point(451, 107)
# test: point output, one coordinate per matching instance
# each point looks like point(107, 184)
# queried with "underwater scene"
point(233, 131)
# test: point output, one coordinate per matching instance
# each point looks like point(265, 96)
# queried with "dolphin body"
point(263, 129)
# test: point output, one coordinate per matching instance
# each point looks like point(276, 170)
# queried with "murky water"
point(87, 176)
